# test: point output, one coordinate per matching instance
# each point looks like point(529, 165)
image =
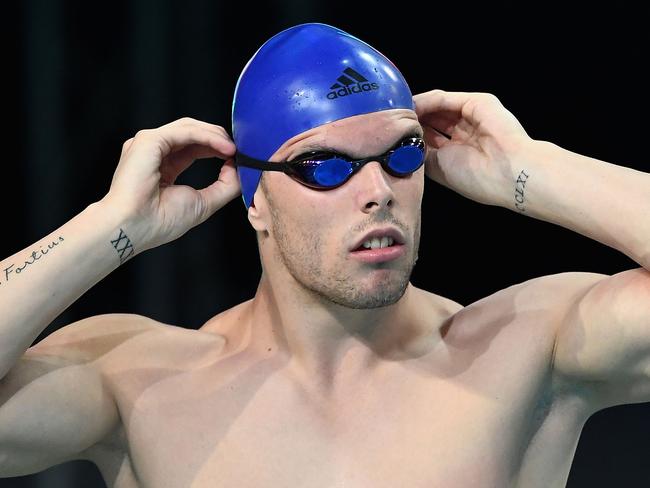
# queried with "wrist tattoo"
point(124, 249)
point(520, 186)
point(35, 256)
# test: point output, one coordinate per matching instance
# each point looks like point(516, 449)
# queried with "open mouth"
point(376, 243)
point(375, 255)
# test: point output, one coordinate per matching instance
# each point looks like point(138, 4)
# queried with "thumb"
point(222, 191)
point(433, 169)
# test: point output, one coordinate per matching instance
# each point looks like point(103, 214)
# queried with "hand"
point(473, 143)
point(143, 187)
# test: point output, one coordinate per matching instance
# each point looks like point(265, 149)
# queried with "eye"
point(311, 156)
point(412, 140)
point(316, 157)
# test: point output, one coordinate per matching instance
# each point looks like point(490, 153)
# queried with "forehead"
point(356, 136)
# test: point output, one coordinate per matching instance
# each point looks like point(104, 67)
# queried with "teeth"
point(376, 242)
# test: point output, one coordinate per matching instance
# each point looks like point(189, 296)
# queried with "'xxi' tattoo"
point(35, 256)
point(124, 249)
point(519, 191)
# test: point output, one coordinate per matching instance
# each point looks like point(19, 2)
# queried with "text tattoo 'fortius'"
point(12, 270)
point(520, 185)
point(123, 246)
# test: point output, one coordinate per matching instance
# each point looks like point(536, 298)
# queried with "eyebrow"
point(314, 147)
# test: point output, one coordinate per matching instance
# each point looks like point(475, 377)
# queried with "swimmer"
point(338, 372)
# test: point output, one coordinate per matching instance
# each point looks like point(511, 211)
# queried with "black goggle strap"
point(242, 160)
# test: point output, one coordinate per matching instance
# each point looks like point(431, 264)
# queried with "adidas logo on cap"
point(350, 82)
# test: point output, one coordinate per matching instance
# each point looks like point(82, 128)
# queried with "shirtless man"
point(339, 372)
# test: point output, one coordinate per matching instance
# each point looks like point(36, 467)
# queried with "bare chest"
point(479, 409)
point(461, 418)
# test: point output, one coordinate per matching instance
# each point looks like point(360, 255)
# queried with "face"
point(306, 235)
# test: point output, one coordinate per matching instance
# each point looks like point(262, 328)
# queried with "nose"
point(374, 188)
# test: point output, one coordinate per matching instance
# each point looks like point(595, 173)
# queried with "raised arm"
point(479, 149)
point(143, 209)
point(52, 400)
point(42, 280)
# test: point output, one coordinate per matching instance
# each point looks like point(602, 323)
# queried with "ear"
point(258, 214)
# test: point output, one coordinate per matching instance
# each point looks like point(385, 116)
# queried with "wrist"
point(524, 164)
point(127, 235)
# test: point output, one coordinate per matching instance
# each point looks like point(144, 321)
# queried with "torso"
point(480, 409)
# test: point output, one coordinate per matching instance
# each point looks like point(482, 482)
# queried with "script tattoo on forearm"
point(35, 256)
point(520, 186)
point(123, 246)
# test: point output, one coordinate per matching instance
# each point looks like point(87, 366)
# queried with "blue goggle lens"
point(331, 172)
point(406, 159)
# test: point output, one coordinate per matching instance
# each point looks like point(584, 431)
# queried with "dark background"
point(81, 78)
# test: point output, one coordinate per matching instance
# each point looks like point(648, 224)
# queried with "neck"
point(324, 344)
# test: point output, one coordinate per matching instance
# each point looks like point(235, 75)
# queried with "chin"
point(376, 296)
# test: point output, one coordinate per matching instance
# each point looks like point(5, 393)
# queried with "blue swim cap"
point(306, 76)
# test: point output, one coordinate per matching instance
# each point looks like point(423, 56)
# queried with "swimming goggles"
point(325, 170)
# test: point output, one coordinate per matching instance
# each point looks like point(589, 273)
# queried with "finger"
point(177, 162)
point(127, 145)
point(222, 191)
point(464, 130)
point(440, 100)
point(150, 147)
point(190, 122)
point(433, 170)
point(468, 108)
point(174, 136)
point(205, 134)
point(434, 138)
point(444, 123)
point(434, 110)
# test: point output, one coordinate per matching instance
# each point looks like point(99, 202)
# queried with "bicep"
point(603, 342)
point(52, 418)
point(54, 403)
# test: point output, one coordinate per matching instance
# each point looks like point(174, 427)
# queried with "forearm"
point(42, 280)
point(600, 200)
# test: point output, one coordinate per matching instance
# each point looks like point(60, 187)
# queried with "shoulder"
point(92, 337)
point(98, 325)
point(114, 340)
point(534, 307)
point(549, 292)
point(543, 291)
